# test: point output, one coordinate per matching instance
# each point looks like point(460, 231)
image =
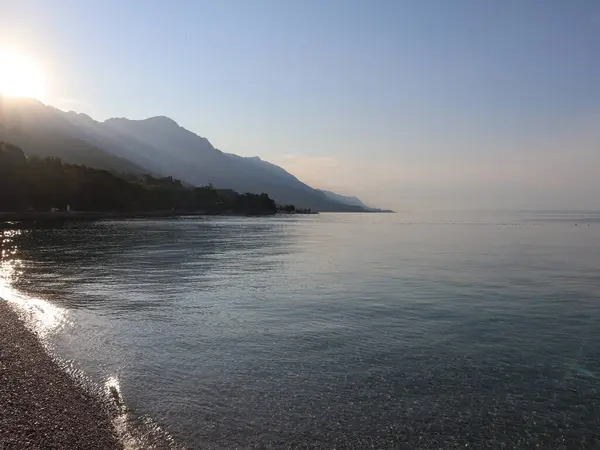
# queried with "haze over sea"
point(417, 331)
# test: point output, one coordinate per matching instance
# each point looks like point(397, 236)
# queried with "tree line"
point(41, 184)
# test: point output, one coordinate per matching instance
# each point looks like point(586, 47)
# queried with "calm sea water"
point(414, 331)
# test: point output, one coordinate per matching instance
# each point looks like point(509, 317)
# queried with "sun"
point(20, 76)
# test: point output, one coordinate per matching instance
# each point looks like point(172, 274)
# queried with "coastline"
point(99, 215)
point(42, 407)
point(35, 216)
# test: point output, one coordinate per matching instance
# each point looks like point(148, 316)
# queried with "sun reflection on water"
point(40, 315)
point(135, 433)
point(45, 319)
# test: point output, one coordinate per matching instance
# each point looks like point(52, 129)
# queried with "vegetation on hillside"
point(41, 184)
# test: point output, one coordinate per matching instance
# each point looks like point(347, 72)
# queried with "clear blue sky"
point(457, 103)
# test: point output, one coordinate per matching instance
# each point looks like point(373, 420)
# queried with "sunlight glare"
point(20, 77)
point(40, 315)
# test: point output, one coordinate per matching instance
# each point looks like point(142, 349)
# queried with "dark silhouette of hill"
point(43, 184)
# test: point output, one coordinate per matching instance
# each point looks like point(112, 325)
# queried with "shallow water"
point(330, 331)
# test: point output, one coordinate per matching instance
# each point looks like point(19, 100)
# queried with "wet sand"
point(41, 407)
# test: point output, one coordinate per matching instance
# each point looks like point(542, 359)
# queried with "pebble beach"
point(41, 407)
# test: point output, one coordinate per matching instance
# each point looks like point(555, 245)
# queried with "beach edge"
point(43, 407)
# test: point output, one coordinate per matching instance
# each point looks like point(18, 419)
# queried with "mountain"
point(39, 131)
point(163, 146)
point(157, 145)
point(352, 201)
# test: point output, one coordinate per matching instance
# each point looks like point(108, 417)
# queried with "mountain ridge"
point(40, 131)
point(156, 145)
point(195, 160)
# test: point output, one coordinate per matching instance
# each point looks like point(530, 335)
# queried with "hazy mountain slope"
point(193, 159)
point(118, 143)
point(157, 145)
point(354, 201)
point(40, 131)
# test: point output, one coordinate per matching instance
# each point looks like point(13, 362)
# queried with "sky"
point(406, 103)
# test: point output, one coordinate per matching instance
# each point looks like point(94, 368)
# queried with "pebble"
point(42, 408)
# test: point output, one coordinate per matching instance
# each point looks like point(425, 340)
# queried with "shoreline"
point(99, 215)
point(34, 216)
point(42, 406)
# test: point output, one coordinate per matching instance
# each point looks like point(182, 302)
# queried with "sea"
point(414, 330)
